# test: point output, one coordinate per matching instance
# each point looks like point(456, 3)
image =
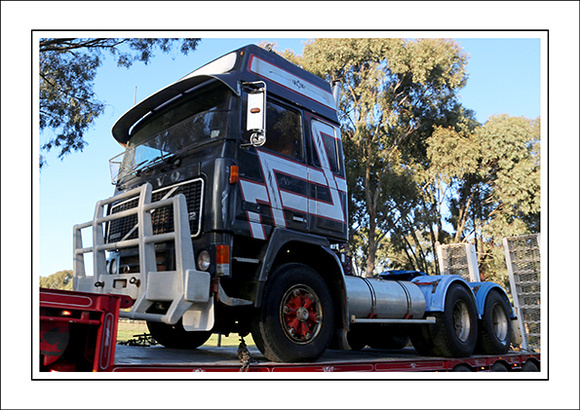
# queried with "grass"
point(128, 329)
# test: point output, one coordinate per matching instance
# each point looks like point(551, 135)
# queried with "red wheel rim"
point(301, 314)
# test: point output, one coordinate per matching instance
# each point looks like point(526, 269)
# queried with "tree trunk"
point(371, 205)
point(372, 248)
point(463, 217)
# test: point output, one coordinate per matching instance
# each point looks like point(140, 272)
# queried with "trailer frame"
point(96, 317)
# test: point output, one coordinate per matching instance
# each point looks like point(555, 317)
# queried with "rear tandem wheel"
point(496, 329)
point(454, 333)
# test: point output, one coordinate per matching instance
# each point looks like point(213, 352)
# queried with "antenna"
point(135, 96)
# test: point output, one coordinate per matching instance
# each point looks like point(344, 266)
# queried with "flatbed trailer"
point(224, 359)
point(78, 332)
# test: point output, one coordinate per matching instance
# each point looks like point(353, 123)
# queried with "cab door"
point(277, 192)
point(327, 182)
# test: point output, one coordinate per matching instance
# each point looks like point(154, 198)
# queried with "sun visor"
point(164, 96)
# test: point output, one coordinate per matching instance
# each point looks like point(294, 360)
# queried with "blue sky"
point(504, 77)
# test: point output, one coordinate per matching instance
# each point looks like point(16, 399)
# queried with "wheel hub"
point(461, 321)
point(300, 314)
point(500, 323)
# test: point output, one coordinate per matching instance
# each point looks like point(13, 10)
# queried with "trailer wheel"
point(500, 367)
point(296, 320)
point(496, 328)
point(175, 336)
point(462, 368)
point(530, 366)
point(455, 332)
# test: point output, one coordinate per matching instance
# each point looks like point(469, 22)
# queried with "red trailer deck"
point(78, 332)
point(224, 359)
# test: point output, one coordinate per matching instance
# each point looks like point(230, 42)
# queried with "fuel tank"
point(383, 299)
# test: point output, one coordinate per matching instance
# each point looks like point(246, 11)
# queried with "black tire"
point(500, 367)
point(389, 337)
point(296, 320)
point(422, 340)
point(495, 330)
point(357, 339)
point(530, 366)
point(462, 368)
point(455, 332)
point(175, 336)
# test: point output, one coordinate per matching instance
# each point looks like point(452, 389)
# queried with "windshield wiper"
point(152, 163)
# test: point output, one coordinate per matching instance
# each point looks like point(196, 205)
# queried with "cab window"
point(284, 131)
point(332, 146)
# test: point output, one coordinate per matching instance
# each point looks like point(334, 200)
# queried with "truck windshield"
point(173, 130)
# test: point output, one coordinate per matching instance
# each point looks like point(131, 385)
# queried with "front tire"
point(296, 320)
point(175, 336)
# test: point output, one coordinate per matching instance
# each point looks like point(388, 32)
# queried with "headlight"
point(203, 260)
point(113, 267)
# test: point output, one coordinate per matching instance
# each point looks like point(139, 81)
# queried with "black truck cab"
point(253, 142)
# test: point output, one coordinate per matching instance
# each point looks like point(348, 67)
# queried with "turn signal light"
point(222, 254)
point(223, 260)
point(234, 174)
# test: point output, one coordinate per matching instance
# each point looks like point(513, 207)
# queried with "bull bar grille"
point(162, 218)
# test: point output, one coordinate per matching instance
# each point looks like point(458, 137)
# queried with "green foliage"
point(492, 184)
point(68, 104)
point(420, 168)
point(58, 280)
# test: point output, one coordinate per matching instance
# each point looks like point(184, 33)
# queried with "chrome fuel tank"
point(383, 299)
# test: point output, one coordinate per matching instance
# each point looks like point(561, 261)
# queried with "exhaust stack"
point(336, 88)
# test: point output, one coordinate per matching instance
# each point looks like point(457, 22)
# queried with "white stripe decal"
point(291, 81)
point(253, 192)
point(279, 199)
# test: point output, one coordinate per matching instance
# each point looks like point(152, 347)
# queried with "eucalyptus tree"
point(68, 104)
point(492, 179)
point(59, 280)
point(394, 91)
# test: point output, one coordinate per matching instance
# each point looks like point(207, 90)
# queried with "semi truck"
point(229, 215)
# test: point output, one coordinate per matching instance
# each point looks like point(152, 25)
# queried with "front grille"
point(162, 218)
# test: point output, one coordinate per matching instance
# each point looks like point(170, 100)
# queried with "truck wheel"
point(296, 320)
point(422, 340)
point(496, 327)
point(175, 336)
point(389, 338)
point(357, 338)
point(455, 332)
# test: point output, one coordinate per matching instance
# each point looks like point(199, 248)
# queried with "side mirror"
point(256, 115)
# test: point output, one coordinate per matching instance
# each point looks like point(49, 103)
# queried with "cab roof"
point(247, 64)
